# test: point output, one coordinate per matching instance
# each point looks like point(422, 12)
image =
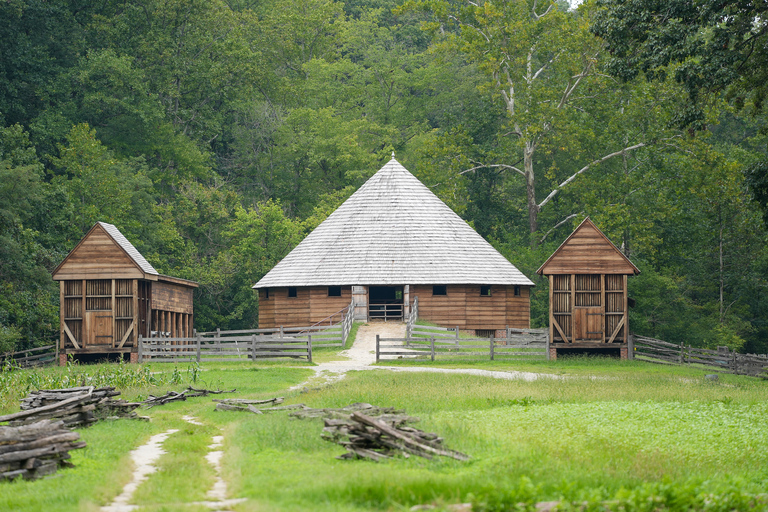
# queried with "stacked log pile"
point(76, 407)
point(366, 437)
point(376, 433)
point(35, 450)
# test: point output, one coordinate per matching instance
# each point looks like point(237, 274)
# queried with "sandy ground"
point(362, 356)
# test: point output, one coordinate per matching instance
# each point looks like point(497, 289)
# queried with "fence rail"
point(492, 348)
point(227, 348)
point(723, 360)
point(33, 357)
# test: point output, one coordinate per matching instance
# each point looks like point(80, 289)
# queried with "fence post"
point(492, 343)
point(457, 335)
point(253, 347)
point(309, 347)
point(508, 341)
point(682, 353)
point(631, 346)
point(377, 348)
point(140, 356)
point(432, 348)
point(199, 342)
point(546, 344)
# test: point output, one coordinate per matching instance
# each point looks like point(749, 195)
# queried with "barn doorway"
point(385, 302)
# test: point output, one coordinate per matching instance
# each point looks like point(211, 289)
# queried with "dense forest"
point(216, 134)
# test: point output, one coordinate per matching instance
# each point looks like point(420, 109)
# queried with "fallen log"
point(173, 396)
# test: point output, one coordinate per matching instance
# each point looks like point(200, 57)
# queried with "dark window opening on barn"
point(334, 291)
point(439, 290)
point(485, 333)
point(517, 291)
point(485, 290)
point(266, 293)
point(291, 291)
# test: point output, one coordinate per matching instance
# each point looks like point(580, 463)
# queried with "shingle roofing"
point(128, 247)
point(393, 231)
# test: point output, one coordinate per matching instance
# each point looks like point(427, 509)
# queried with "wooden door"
point(588, 324)
point(98, 328)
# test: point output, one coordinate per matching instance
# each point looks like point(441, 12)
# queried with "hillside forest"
point(215, 134)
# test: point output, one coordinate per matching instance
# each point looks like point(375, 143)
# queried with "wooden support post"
point(492, 344)
point(377, 348)
point(140, 358)
point(457, 335)
point(199, 343)
point(309, 348)
point(548, 342)
point(253, 347)
point(630, 345)
point(62, 314)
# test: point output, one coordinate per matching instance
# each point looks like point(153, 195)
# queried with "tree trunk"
point(530, 190)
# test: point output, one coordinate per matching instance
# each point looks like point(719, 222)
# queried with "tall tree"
point(543, 65)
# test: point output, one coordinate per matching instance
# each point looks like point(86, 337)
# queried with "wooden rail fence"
point(33, 357)
point(722, 360)
point(223, 348)
point(516, 345)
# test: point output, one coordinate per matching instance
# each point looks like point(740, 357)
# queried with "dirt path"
point(362, 356)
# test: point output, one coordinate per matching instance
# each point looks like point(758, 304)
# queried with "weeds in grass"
point(16, 383)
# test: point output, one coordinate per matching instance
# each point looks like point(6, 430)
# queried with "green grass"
point(641, 436)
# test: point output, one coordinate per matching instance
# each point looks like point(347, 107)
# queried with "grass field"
point(596, 435)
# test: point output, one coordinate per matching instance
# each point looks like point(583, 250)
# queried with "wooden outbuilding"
point(392, 241)
point(110, 295)
point(588, 302)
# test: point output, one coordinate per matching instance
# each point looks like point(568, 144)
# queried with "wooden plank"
point(71, 337)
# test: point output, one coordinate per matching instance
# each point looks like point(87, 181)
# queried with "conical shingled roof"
point(393, 231)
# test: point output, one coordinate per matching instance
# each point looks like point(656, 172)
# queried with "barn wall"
point(98, 257)
point(311, 305)
point(172, 297)
point(463, 306)
point(322, 306)
point(587, 251)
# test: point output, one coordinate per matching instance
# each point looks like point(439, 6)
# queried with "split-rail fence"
point(218, 345)
point(720, 360)
point(32, 358)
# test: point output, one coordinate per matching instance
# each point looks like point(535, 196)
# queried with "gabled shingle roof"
point(128, 247)
point(393, 231)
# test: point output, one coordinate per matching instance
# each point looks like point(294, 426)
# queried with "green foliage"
point(707, 46)
point(216, 134)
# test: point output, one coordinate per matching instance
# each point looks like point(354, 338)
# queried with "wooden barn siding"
point(322, 306)
point(98, 257)
point(587, 252)
point(171, 297)
point(463, 306)
point(446, 310)
point(311, 305)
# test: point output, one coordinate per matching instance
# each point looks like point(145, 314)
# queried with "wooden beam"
point(134, 312)
point(62, 313)
point(560, 330)
point(127, 333)
point(71, 337)
point(551, 307)
point(114, 314)
point(616, 331)
point(602, 306)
